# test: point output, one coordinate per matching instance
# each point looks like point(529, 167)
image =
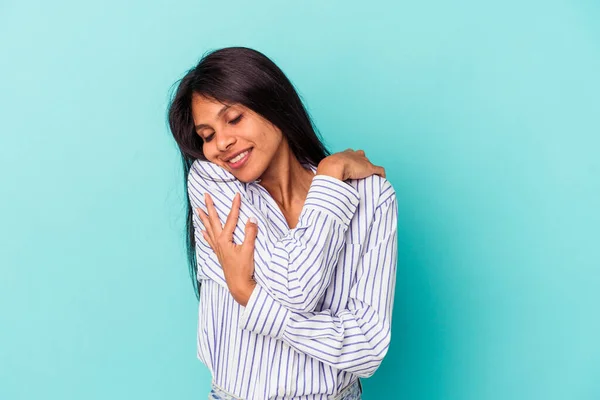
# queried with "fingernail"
point(253, 220)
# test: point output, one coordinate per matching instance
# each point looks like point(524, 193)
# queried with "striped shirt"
point(320, 314)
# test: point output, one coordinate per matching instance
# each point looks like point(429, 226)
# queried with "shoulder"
point(204, 175)
point(202, 170)
point(374, 190)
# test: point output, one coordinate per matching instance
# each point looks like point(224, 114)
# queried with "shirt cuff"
point(264, 315)
point(333, 195)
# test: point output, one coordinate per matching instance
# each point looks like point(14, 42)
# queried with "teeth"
point(238, 157)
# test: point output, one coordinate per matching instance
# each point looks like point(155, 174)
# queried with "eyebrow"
point(221, 111)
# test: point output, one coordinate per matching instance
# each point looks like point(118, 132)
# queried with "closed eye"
point(236, 120)
point(232, 122)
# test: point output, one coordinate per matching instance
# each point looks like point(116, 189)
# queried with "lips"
point(239, 159)
point(234, 155)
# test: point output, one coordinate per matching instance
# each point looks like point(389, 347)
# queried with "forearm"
point(356, 339)
point(300, 266)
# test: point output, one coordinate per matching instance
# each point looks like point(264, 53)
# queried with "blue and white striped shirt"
point(320, 315)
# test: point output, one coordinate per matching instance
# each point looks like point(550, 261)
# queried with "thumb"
point(251, 230)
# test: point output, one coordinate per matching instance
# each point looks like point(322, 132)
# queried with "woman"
point(293, 249)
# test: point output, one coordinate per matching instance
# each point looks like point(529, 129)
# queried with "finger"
point(251, 230)
point(205, 235)
point(232, 218)
point(380, 171)
point(213, 216)
point(361, 152)
point(206, 223)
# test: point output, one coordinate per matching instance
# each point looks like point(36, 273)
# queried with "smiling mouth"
point(239, 160)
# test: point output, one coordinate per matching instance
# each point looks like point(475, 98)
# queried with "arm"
point(286, 270)
point(357, 338)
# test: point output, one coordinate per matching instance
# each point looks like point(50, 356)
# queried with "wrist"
point(331, 166)
point(242, 293)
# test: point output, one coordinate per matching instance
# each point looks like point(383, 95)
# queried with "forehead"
point(207, 110)
point(207, 107)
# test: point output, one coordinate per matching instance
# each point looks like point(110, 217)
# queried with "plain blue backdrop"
point(486, 116)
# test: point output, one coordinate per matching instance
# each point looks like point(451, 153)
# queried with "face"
point(235, 137)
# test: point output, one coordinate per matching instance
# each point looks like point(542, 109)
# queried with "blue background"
point(486, 116)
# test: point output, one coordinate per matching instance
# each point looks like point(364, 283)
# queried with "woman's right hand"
point(349, 164)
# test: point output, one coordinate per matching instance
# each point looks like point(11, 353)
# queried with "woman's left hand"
point(236, 260)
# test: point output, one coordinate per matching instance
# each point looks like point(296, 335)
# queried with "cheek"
point(269, 137)
point(273, 139)
point(210, 152)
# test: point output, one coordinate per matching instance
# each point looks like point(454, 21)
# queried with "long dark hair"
point(244, 76)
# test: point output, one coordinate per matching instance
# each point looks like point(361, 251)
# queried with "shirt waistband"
point(354, 387)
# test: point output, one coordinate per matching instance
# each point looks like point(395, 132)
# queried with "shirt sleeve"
point(297, 268)
point(357, 338)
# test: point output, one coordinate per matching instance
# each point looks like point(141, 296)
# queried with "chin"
point(246, 176)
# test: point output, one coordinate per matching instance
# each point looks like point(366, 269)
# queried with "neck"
point(286, 179)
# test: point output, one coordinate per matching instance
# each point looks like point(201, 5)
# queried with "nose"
point(224, 140)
